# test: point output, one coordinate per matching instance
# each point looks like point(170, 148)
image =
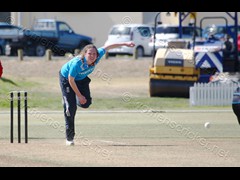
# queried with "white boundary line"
point(110, 142)
point(135, 111)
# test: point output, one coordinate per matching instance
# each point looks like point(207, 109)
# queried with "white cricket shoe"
point(69, 143)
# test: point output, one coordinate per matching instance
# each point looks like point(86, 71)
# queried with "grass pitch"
point(125, 139)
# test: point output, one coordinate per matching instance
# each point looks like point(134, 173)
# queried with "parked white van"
point(140, 34)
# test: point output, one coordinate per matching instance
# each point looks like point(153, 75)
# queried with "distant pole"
point(49, 54)
point(19, 15)
point(20, 54)
point(154, 36)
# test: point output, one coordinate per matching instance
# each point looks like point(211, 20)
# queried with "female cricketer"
point(74, 82)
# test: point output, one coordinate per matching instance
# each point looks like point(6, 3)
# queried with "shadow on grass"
point(8, 81)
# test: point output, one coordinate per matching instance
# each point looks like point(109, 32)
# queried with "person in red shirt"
point(1, 69)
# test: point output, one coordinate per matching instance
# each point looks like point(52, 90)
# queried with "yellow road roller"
point(172, 73)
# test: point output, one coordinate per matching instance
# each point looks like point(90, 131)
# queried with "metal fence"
point(212, 94)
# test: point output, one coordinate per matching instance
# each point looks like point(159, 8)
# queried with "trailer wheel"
point(40, 50)
point(139, 52)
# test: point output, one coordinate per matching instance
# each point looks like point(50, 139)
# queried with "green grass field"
point(123, 127)
point(41, 96)
point(125, 139)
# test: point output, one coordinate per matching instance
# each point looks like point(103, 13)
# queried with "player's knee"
point(86, 105)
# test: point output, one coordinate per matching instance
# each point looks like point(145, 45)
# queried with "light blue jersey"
point(80, 69)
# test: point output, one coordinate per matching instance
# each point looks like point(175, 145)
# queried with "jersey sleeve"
point(73, 70)
point(101, 52)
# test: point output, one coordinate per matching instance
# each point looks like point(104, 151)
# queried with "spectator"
point(228, 47)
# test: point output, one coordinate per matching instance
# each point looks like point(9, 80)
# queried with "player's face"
point(91, 56)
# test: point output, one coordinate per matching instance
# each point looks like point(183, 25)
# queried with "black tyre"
point(1, 51)
point(40, 50)
point(108, 55)
point(169, 88)
point(139, 52)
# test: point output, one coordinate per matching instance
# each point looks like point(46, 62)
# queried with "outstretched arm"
point(115, 45)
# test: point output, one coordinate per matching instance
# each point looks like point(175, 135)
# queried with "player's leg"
point(84, 89)
point(236, 110)
point(70, 107)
